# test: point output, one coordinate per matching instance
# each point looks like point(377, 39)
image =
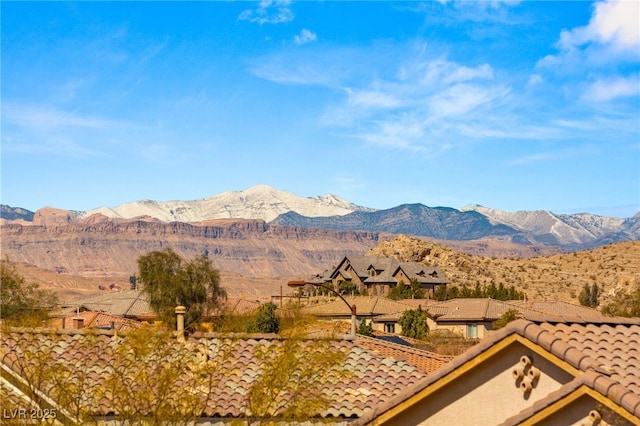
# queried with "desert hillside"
point(615, 268)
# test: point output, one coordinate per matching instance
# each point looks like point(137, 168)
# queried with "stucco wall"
point(487, 394)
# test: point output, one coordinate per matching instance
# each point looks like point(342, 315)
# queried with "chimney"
point(78, 323)
point(180, 311)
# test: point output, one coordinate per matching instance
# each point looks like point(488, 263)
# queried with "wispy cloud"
point(532, 158)
point(305, 36)
point(608, 89)
point(45, 118)
point(269, 12)
point(36, 129)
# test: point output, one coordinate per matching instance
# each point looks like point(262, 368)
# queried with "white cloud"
point(269, 12)
point(613, 22)
point(605, 90)
point(305, 36)
point(612, 35)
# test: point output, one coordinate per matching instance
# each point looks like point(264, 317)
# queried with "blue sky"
point(512, 105)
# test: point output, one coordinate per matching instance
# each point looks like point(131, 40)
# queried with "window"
point(390, 327)
point(472, 330)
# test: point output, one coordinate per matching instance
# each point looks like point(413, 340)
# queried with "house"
point(552, 373)
point(91, 319)
point(132, 304)
point(214, 373)
point(377, 275)
point(473, 318)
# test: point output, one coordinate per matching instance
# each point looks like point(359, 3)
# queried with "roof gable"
point(599, 359)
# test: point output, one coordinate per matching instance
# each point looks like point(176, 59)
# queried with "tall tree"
point(414, 323)
point(266, 320)
point(170, 281)
point(21, 302)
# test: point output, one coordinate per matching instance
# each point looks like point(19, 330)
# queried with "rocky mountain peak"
point(257, 202)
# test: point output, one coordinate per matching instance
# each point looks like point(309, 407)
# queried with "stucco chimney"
point(78, 323)
point(180, 311)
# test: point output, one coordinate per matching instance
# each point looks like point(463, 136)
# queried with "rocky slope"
point(615, 268)
point(563, 229)
point(100, 246)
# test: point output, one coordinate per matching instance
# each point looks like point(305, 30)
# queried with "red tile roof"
point(96, 320)
point(424, 360)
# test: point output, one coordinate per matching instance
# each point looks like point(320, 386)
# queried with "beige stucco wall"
point(460, 327)
point(577, 414)
point(487, 394)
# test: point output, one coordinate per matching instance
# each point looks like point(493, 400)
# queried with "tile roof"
point(563, 310)
point(422, 273)
point(127, 303)
point(387, 267)
point(424, 360)
point(96, 320)
point(371, 379)
point(365, 306)
point(606, 356)
point(471, 309)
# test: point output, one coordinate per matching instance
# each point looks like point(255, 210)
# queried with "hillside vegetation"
point(615, 268)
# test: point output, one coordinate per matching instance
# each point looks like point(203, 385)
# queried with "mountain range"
point(282, 208)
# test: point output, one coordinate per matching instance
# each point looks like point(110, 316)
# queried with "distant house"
point(132, 304)
point(377, 275)
point(530, 374)
point(92, 319)
point(471, 318)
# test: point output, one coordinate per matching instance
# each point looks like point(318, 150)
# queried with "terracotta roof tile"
point(424, 360)
point(371, 379)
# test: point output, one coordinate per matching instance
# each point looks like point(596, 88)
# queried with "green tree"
point(266, 320)
point(595, 296)
point(403, 291)
point(21, 302)
point(414, 323)
point(365, 328)
point(169, 281)
point(440, 293)
point(589, 296)
point(506, 318)
point(348, 287)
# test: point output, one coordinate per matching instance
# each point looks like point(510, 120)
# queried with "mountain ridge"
point(262, 202)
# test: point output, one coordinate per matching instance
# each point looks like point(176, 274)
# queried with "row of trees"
point(413, 290)
point(493, 291)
